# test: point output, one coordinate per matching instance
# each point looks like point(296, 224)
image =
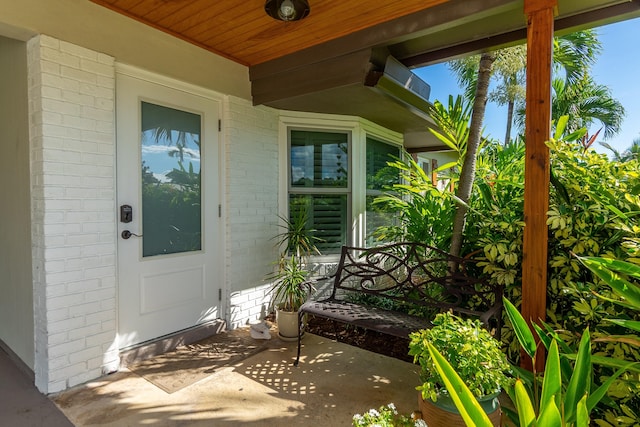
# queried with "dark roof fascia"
point(565, 25)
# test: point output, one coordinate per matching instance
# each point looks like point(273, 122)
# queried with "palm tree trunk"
point(468, 172)
point(507, 136)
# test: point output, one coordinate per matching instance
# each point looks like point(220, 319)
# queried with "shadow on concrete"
point(333, 382)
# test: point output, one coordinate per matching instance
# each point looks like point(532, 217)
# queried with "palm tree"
point(468, 171)
point(576, 94)
point(575, 53)
point(631, 153)
point(573, 56)
point(586, 102)
point(582, 46)
point(508, 67)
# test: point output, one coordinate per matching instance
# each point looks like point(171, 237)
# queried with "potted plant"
point(289, 293)
point(290, 288)
point(474, 354)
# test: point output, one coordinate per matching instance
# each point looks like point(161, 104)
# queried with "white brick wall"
point(71, 104)
point(72, 134)
point(251, 206)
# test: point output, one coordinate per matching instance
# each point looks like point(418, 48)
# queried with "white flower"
point(393, 408)
point(420, 423)
point(374, 413)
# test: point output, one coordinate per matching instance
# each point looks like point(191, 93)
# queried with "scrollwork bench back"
point(415, 280)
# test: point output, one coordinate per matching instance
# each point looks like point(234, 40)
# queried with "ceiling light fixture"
point(287, 10)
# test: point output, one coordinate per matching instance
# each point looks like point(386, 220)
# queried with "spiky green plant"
point(288, 287)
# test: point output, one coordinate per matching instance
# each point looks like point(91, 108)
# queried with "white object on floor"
point(260, 331)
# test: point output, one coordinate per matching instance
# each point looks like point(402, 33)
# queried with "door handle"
point(127, 234)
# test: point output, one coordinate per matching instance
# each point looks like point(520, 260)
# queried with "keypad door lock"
point(126, 213)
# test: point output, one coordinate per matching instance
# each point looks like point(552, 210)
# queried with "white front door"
point(169, 250)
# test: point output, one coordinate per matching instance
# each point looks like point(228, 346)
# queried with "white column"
point(72, 143)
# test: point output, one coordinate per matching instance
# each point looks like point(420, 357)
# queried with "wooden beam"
point(540, 14)
point(331, 73)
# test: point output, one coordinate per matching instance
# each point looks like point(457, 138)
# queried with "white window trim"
point(359, 129)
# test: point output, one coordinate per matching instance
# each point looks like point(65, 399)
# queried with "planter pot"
point(287, 325)
point(444, 413)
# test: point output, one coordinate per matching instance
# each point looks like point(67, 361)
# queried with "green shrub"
point(593, 210)
point(425, 212)
point(469, 348)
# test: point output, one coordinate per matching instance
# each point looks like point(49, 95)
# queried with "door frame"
point(191, 89)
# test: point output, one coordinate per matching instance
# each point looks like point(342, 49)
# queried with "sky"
point(617, 67)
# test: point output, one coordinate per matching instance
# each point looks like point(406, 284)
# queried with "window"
point(334, 173)
point(380, 176)
point(171, 190)
point(319, 184)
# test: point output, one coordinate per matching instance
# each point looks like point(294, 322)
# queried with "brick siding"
point(72, 137)
point(251, 179)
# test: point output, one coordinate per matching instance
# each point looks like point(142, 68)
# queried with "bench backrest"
point(421, 278)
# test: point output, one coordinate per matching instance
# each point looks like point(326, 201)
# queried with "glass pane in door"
point(171, 187)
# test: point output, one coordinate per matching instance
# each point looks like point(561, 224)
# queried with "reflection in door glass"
point(171, 196)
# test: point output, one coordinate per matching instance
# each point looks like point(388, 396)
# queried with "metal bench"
point(415, 280)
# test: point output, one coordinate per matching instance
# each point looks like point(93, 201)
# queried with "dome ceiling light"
point(287, 10)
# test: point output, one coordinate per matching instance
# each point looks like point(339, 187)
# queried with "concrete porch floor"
point(21, 404)
point(333, 382)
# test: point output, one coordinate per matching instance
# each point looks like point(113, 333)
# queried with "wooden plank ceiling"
point(241, 30)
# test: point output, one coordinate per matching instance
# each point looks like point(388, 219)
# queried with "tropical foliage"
point(563, 396)
point(470, 349)
point(594, 211)
point(573, 56)
point(624, 280)
point(425, 212)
